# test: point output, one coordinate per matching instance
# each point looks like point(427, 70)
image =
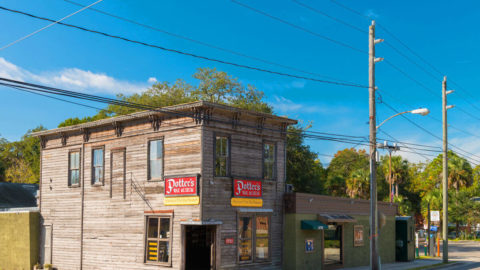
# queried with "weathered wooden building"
point(191, 186)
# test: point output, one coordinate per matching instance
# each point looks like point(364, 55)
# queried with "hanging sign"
point(247, 188)
point(181, 186)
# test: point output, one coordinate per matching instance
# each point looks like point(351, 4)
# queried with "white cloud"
point(152, 80)
point(371, 14)
point(73, 79)
point(284, 105)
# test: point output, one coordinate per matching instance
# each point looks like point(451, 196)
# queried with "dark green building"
point(323, 232)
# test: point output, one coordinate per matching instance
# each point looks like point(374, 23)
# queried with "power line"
point(300, 27)
point(45, 27)
point(190, 54)
point(430, 133)
point(399, 40)
point(328, 16)
point(29, 87)
point(209, 45)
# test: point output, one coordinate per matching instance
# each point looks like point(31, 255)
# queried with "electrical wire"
point(45, 27)
point(343, 44)
point(306, 134)
point(284, 74)
point(209, 45)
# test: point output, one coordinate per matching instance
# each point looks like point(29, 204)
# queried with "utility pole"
point(445, 107)
point(374, 258)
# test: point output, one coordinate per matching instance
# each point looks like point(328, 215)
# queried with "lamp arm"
point(391, 118)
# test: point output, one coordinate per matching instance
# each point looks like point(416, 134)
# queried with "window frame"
point(100, 183)
point(169, 239)
point(229, 154)
point(69, 181)
point(149, 177)
point(274, 165)
point(253, 238)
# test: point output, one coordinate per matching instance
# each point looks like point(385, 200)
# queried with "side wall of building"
point(19, 235)
point(106, 223)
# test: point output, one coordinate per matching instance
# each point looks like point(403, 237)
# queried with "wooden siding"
point(113, 228)
point(114, 213)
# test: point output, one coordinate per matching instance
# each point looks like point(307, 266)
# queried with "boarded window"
point(74, 168)
point(98, 164)
point(253, 237)
point(222, 156)
point(155, 159)
point(158, 244)
point(269, 161)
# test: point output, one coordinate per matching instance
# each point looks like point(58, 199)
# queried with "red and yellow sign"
point(181, 186)
point(246, 202)
point(182, 200)
point(247, 188)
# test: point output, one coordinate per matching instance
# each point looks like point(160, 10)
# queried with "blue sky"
point(443, 33)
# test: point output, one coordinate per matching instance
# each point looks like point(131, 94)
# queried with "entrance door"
point(199, 247)
point(333, 249)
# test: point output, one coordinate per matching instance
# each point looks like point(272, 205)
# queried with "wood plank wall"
point(114, 227)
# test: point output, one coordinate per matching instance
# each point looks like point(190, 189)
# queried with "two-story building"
point(191, 186)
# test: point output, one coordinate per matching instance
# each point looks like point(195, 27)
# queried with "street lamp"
point(420, 111)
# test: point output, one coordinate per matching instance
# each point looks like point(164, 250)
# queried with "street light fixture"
point(420, 111)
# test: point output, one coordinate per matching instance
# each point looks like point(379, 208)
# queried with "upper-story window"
point(222, 156)
point(97, 166)
point(74, 168)
point(155, 159)
point(269, 161)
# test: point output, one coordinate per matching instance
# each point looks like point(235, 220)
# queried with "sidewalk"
point(403, 265)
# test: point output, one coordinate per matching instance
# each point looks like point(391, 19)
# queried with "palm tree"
point(460, 173)
point(399, 171)
point(358, 184)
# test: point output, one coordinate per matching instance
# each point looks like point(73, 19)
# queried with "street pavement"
point(462, 254)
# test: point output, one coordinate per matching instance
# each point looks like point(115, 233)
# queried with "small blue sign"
point(309, 245)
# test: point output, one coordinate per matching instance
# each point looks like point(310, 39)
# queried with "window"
point(222, 156)
point(74, 168)
point(253, 238)
point(269, 161)
point(97, 166)
point(155, 159)
point(158, 242)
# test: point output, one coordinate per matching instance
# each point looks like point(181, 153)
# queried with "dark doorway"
point(199, 247)
point(333, 246)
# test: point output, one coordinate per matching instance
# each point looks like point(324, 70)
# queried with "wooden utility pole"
point(445, 172)
point(374, 261)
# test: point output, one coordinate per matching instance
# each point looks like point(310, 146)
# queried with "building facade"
point(324, 232)
point(191, 186)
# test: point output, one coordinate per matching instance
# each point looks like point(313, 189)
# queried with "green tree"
point(342, 165)
point(304, 170)
point(21, 159)
point(459, 172)
point(213, 85)
point(358, 184)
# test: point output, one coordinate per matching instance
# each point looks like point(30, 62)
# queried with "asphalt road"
point(467, 253)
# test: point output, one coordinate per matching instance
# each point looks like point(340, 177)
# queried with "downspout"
point(283, 197)
point(82, 207)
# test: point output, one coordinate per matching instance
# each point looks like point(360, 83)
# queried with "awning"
point(313, 225)
point(338, 218)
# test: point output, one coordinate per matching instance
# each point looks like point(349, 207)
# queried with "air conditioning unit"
point(288, 188)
